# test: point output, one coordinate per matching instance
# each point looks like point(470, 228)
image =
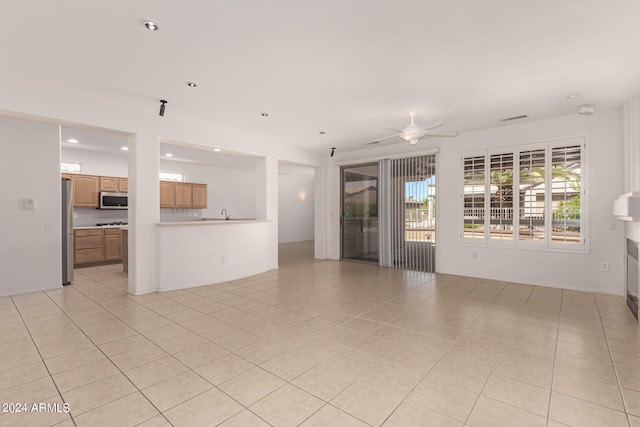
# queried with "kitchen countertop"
point(89, 227)
point(213, 222)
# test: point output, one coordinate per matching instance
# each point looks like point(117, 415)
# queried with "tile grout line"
point(42, 359)
point(555, 355)
point(109, 359)
point(613, 364)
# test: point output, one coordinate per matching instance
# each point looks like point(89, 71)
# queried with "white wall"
point(196, 255)
point(96, 163)
point(31, 243)
point(230, 189)
point(567, 270)
point(295, 216)
point(65, 104)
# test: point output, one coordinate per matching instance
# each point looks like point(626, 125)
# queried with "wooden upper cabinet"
point(85, 191)
point(123, 185)
point(199, 196)
point(109, 183)
point(66, 175)
point(167, 194)
point(183, 195)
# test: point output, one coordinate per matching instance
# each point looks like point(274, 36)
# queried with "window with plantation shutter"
point(473, 211)
point(530, 196)
point(501, 196)
point(566, 192)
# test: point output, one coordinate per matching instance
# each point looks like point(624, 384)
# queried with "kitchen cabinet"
point(183, 195)
point(85, 191)
point(109, 183)
point(125, 249)
point(123, 185)
point(167, 194)
point(97, 245)
point(199, 196)
point(112, 244)
point(89, 246)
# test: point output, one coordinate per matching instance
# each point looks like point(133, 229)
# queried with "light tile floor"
point(319, 343)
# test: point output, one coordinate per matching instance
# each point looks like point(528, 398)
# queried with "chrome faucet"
point(224, 212)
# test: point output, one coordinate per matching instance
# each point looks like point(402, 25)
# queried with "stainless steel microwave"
point(113, 200)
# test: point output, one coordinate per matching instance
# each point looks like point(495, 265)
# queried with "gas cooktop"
point(102, 224)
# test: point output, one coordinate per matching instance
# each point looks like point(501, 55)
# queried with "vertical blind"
point(413, 208)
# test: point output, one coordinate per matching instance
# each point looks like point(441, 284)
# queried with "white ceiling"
point(345, 67)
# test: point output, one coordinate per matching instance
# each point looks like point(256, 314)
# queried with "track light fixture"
point(333, 150)
point(162, 104)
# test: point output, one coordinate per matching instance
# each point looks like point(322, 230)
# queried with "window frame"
point(182, 175)
point(546, 244)
point(70, 163)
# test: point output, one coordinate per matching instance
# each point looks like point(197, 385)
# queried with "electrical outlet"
point(604, 266)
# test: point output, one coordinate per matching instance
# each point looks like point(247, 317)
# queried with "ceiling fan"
point(412, 133)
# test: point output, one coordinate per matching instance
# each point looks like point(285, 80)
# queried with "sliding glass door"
point(360, 212)
point(413, 213)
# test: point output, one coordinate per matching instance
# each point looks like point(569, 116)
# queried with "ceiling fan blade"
point(447, 134)
point(391, 130)
point(434, 125)
point(383, 138)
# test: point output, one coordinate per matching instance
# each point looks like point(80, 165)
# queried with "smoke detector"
point(587, 109)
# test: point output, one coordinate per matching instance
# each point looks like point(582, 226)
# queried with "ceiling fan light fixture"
point(413, 141)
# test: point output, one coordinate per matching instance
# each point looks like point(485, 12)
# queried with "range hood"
point(627, 207)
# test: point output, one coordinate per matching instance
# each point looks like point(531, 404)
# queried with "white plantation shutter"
point(474, 171)
point(501, 197)
point(566, 194)
point(529, 196)
point(532, 195)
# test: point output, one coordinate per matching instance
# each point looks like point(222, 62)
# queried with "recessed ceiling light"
point(322, 132)
point(151, 26)
point(573, 95)
point(191, 84)
point(216, 150)
point(168, 155)
point(72, 140)
point(125, 148)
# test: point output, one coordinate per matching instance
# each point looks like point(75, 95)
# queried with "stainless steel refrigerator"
point(67, 232)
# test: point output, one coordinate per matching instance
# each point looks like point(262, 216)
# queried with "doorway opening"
point(413, 213)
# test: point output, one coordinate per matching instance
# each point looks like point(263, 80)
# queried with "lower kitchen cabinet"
point(112, 244)
point(97, 245)
point(89, 246)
